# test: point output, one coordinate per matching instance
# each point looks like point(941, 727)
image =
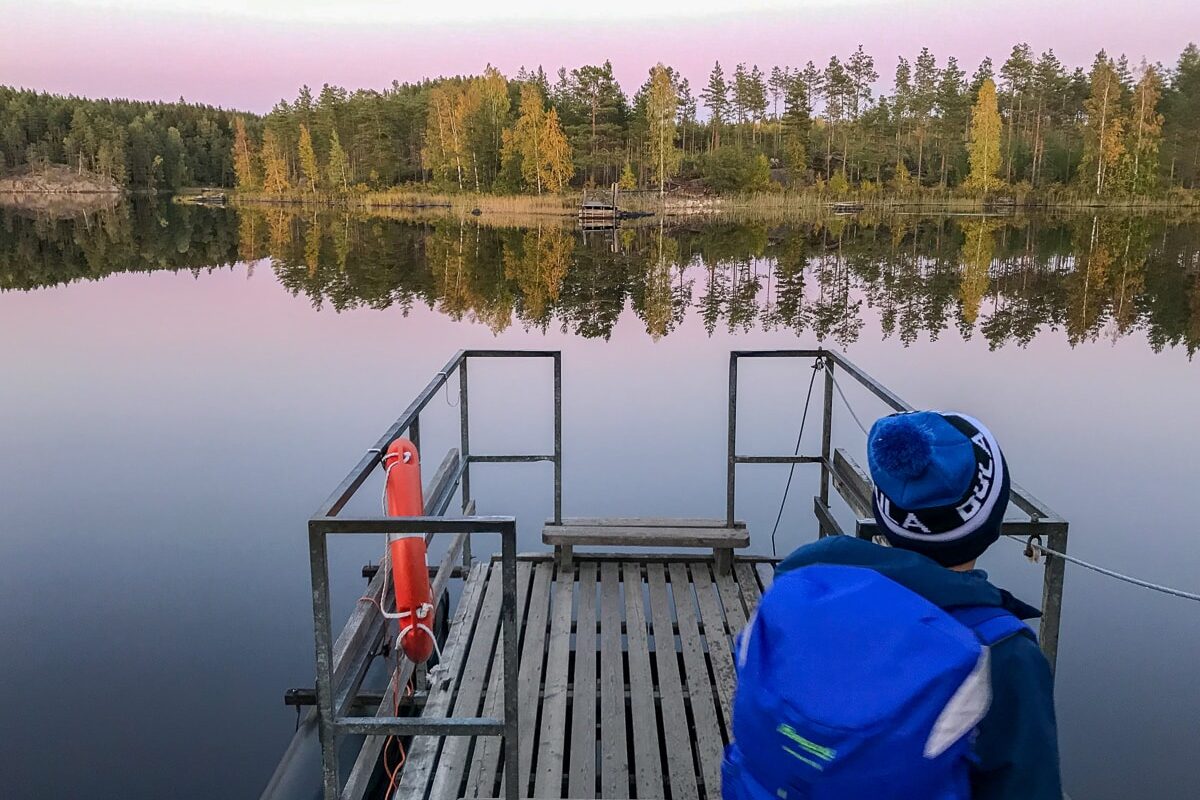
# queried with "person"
point(825, 662)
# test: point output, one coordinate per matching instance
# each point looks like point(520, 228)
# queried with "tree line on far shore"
point(1031, 125)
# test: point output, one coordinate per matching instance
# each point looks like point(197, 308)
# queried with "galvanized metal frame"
point(331, 723)
point(1041, 520)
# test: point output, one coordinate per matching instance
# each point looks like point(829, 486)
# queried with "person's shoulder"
point(1018, 660)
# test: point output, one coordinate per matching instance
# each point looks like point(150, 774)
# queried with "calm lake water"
point(183, 386)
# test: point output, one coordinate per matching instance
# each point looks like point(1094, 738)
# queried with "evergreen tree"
point(716, 99)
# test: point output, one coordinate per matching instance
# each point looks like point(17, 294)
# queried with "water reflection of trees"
point(1003, 279)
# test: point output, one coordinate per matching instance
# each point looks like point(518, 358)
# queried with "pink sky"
point(118, 48)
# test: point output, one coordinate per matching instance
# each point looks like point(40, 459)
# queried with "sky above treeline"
point(248, 54)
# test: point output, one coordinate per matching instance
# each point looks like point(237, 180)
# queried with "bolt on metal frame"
point(1040, 520)
point(331, 723)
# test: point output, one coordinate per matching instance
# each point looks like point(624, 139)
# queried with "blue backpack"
point(852, 686)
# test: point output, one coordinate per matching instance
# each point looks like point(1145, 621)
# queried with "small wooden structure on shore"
point(604, 673)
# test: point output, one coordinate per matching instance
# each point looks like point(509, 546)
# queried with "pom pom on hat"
point(901, 446)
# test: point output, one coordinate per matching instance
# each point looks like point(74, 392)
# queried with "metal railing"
point(333, 700)
point(853, 485)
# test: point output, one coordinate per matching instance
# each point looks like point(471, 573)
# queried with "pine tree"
point(716, 100)
point(308, 159)
point(337, 169)
point(984, 150)
point(243, 157)
point(796, 124)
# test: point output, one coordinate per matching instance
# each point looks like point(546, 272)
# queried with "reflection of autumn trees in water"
point(1005, 279)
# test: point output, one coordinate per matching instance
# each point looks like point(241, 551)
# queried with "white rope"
point(388, 471)
point(846, 403)
point(1157, 587)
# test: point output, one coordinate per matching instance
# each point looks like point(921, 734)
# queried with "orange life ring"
point(410, 573)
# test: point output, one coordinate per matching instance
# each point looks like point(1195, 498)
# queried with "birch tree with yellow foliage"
point(983, 153)
point(538, 142)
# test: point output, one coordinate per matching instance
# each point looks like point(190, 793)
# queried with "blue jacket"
point(1017, 745)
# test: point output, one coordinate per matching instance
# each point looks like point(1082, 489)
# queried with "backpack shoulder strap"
point(991, 624)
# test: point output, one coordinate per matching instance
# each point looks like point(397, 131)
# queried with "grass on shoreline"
point(765, 204)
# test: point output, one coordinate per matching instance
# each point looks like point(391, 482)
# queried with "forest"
point(1028, 125)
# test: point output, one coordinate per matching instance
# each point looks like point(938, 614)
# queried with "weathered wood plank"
point(614, 760)
point(732, 603)
point(748, 583)
point(630, 536)
point(718, 638)
point(766, 574)
point(649, 522)
point(706, 731)
point(647, 766)
point(485, 762)
point(533, 654)
point(582, 780)
point(552, 745)
point(452, 763)
point(680, 766)
point(853, 484)
point(423, 750)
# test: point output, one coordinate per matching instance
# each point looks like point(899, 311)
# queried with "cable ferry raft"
point(567, 673)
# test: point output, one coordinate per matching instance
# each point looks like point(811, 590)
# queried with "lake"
point(183, 386)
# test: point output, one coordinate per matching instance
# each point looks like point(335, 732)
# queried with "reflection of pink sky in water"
point(214, 413)
point(251, 64)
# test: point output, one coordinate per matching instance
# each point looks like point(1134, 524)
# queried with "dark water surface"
point(182, 386)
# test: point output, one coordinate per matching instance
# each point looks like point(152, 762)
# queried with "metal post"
point(558, 438)
point(730, 479)
point(826, 437)
point(508, 615)
point(323, 636)
point(1052, 591)
point(464, 449)
point(414, 432)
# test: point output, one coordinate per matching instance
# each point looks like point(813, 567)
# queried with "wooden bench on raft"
point(647, 532)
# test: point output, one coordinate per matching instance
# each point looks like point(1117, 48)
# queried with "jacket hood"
point(941, 586)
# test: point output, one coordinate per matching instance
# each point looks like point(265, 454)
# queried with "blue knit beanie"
point(941, 484)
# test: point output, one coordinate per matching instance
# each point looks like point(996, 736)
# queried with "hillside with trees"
point(1028, 125)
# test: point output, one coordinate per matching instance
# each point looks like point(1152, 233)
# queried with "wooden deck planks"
point(613, 704)
point(423, 750)
point(680, 766)
point(614, 751)
point(453, 761)
point(706, 730)
point(485, 761)
point(718, 637)
point(581, 782)
point(533, 656)
point(647, 767)
point(548, 779)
